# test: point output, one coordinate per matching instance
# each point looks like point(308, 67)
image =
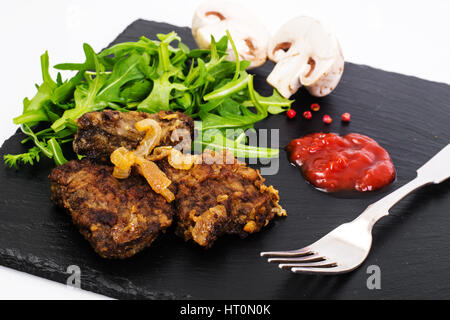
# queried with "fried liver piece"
point(216, 197)
point(100, 133)
point(211, 199)
point(118, 217)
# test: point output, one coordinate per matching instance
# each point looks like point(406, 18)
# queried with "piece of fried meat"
point(220, 195)
point(118, 217)
point(100, 133)
point(212, 199)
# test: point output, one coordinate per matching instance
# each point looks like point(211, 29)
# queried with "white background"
point(411, 37)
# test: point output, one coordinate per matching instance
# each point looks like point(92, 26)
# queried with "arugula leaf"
point(121, 49)
point(45, 73)
point(84, 98)
point(163, 86)
point(136, 90)
point(238, 62)
point(65, 90)
point(89, 63)
point(148, 75)
point(32, 109)
point(231, 87)
point(275, 103)
point(197, 76)
point(51, 149)
point(160, 95)
point(125, 70)
point(229, 118)
point(216, 140)
point(39, 144)
point(185, 101)
point(58, 156)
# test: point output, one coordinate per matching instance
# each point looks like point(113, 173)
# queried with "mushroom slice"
point(305, 54)
point(249, 35)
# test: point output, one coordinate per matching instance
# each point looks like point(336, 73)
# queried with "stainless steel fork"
point(346, 247)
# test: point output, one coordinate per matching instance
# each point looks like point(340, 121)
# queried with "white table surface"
point(410, 37)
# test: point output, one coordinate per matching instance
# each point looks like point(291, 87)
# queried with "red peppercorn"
point(307, 115)
point(315, 107)
point(291, 113)
point(327, 119)
point(346, 117)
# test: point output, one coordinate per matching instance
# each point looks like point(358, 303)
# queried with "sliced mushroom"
point(305, 54)
point(249, 35)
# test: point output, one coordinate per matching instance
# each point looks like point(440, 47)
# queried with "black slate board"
point(408, 116)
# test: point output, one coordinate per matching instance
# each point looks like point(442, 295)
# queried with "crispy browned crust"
point(215, 198)
point(100, 133)
point(118, 217)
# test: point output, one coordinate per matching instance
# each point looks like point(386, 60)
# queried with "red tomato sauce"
point(342, 163)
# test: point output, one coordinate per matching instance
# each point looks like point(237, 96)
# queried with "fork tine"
point(310, 265)
point(290, 253)
point(309, 258)
point(323, 271)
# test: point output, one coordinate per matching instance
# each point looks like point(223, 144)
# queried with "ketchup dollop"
point(342, 163)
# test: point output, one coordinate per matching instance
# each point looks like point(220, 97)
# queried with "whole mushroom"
point(305, 54)
point(249, 35)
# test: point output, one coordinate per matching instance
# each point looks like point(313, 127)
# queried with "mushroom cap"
point(306, 54)
point(249, 35)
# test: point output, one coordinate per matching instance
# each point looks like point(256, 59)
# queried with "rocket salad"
point(148, 76)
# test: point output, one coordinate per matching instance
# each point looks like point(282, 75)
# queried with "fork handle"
point(436, 170)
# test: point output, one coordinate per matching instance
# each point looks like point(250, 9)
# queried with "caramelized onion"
point(155, 178)
point(159, 153)
point(168, 195)
point(152, 136)
point(180, 161)
point(121, 173)
point(176, 158)
point(122, 160)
